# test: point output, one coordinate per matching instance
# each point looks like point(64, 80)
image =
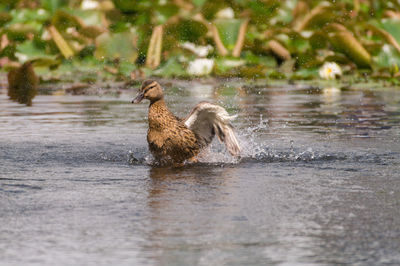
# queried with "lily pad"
point(20, 31)
point(91, 32)
point(87, 17)
point(228, 30)
point(344, 41)
point(28, 51)
point(388, 57)
point(172, 68)
point(132, 6)
point(63, 20)
point(225, 64)
point(189, 30)
point(125, 68)
point(53, 5)
point(392, 26)
point(28, 15)
point(116, 46)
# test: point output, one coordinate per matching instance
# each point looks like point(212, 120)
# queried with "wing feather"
point(207, 120)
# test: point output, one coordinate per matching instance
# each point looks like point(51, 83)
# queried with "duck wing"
point(207, 119)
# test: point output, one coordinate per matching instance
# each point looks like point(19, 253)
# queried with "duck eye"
point(148, 88)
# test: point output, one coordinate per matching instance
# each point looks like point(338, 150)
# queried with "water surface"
point(318, 181)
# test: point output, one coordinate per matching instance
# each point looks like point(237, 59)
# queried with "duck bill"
point(138, 98)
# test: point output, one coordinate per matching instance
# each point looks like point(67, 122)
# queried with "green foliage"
point(133, 6)
point(53, 5)
point(283, 39)
point(28, 51)
point(388, 57)
point(116, 46)
point(172, 68)
point(228, 30)
point(189, 30)
point(392, 26)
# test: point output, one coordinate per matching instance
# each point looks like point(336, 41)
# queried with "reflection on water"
point(286, 109)
point(317, 182)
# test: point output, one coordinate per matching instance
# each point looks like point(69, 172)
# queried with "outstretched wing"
point(207, 119)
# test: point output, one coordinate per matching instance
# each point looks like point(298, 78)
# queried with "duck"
point(22, 83)
point(174, 140)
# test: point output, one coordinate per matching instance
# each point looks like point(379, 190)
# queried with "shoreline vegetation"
point(77, 45)
point(113, 88)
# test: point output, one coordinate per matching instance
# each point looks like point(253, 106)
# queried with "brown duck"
point(174, 140)
point(22, 83)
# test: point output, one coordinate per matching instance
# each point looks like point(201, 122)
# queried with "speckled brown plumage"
point(172, 140)
point(169, 139)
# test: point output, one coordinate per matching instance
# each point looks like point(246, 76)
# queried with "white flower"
point(89, 4)
point(330, 70)
point(225, 13)
point(21, 57)
point(70, 30)
point(306, 34)
point(386, 48)
point(201, 51)
point(46, 35)
point(41, 12)
point(200, 67)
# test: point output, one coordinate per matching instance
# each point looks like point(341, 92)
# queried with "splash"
point(252, 150)
point(256, 150)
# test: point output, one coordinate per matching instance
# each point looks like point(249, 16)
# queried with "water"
point(317, 184)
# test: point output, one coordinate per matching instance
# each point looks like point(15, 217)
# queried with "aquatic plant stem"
point(153, 57)
point(316, 11)
point(240, 40)
point(278, 49)
point(61, 43)
point(220, 46)
point(387, 36)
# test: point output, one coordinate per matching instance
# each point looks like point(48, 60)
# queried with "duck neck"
point(157, 104)
point(157, 112)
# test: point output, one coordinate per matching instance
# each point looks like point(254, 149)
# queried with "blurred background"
point(314, 85)
point(88, 40)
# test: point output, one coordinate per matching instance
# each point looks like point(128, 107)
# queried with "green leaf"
point(305, 74)
point(63, 20)
point(189, 30)
point(226, 63)
point(390, 25)
point(53, 5)
point(172, 68)
point(88, 17)
point(19, 31)
point(344, 41)
point(125, 68)
point(388, 57)
point(28, 15)
point(116, 46)
point(199, 3)
point(29, 51)
point(132, 6)
point(228, 30)
point(262, 11)
point(268, 61)
point(164, 12)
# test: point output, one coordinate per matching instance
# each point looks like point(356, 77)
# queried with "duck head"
point(150, 90)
